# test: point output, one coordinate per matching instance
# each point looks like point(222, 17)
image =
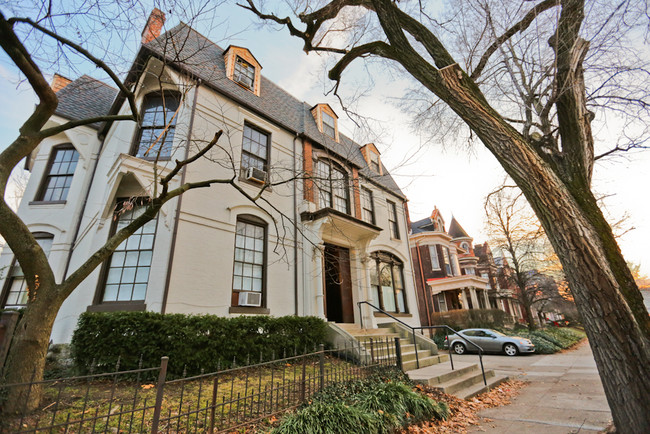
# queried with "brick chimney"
point(154, 26)
point(59, 82)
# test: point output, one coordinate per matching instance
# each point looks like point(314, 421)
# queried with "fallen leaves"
point(463, 413)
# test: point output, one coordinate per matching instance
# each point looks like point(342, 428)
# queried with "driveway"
point(565, 394)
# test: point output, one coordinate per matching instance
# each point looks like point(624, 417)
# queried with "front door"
point(338, 285)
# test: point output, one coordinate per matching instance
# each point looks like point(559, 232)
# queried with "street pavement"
point(564, 394)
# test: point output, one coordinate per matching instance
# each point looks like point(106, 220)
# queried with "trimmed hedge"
point(471, 318)
point(192, 342)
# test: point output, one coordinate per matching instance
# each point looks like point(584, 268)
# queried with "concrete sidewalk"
point(565, 395)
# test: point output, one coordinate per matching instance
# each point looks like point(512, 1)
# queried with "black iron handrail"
point(415, 345)
point(417, 360)
point(451, 360)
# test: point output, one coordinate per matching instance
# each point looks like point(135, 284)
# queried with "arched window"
point(332, 181)
point(465, 246)
point(16, 294)
point(387, 282)
point(58, 174)
point(156, 134)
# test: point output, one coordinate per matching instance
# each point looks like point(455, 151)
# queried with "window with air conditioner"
point(255, 154)
point(249, 273)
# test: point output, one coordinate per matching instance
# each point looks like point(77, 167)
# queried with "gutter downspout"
point(295, 228)
point(180, 201)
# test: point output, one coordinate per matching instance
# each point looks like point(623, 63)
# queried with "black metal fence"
point(134, 401)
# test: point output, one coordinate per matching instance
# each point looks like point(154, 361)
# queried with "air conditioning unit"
point(256, 175)
point(253, 299)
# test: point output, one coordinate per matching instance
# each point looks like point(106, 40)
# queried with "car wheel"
point(510, 349)
point(459, 348)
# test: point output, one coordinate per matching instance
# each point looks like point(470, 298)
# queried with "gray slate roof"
point(424, 225)
point(189, 51)
point(84, 98)
point(192, 52)
point(456, 230)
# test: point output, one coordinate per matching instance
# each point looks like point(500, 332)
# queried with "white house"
point(329, 230)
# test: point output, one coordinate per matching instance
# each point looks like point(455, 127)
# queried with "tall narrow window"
point(127, 275)
point(442, 303)
point(367, 206)
point(433, 254)
point(445, 256)
point(332, 186)
point(250, 245)
point(60, 171)
point(392, 220)
point(244, 73)
point(255, 149)
point(374, 162)
point(387, 282)
point(329, 125)
point(17, 294)
point(159, 114)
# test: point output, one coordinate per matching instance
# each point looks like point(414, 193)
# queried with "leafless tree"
point(541, 135)
point(22, 38)
point(514, 230)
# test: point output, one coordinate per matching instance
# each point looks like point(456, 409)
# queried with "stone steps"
point(465, 381)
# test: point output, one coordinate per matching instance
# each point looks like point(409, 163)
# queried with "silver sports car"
point(490, 341)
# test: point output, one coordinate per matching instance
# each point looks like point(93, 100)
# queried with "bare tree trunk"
point(30, 343)
point(606, 295)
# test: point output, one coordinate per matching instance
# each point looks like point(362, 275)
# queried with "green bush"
point(549, 340)
point(379, 403)
point(329, 418)
point(192, 342)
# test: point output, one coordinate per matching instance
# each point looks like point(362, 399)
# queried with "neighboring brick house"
point(445, 267)
point(500, 289)
point(336, 233)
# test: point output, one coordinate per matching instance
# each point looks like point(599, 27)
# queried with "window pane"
point(128, 275)
point(139, 291)
point(254, 149)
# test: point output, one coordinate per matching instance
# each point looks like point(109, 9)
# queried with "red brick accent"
point(59, 82)
point(308, 164)
point(357, 193)
point(154, 26)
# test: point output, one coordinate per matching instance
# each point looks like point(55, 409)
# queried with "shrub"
point(549, 340)
point(387, 403)
point(329, 418)
point(192, 342)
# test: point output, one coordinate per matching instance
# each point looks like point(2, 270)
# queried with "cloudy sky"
point(446, 175)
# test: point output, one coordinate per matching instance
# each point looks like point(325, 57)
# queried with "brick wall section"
point(59, 82)
point(154, 26)
point(308, 164)
point(356, 193)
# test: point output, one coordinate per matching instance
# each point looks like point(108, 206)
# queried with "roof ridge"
point(97, 80)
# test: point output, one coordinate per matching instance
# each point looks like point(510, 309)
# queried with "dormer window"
point(371, 155)
point(326, 120)
point(243, 68)
point(329, 127)
point(244, 73)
